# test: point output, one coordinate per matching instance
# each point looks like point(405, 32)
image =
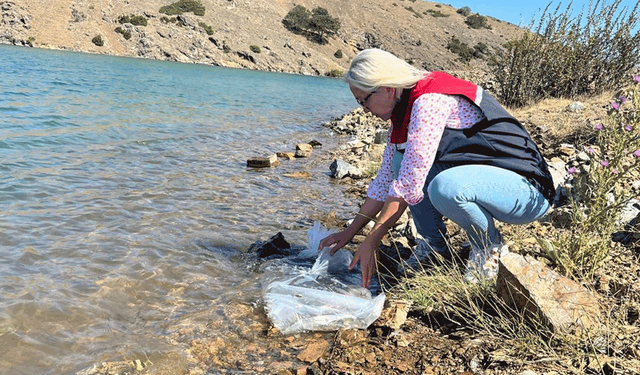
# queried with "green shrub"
point(316, 25)
point(600, 188)
point(183, 6)
point(477, 21)
point(479, 50)
point(166, 19)
point(297, 20)
point(133, 19)
point(322, 24)
point(334, 73)
point(415, 14)
point(567, 56)
point(208, 29)
point(461, 49)
point(125, 33)
point(338, 54)
point(97, 40)
point(465, 11)
point(254, 48)
point(435, 13)
point(30, 41)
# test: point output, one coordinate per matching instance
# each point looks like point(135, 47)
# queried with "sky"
point(521, 12)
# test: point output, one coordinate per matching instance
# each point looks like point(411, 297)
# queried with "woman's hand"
point(367, 255)
point(338, 239)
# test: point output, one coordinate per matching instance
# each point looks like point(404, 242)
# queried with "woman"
point(452, 151)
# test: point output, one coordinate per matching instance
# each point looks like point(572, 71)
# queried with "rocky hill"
point(230, 30)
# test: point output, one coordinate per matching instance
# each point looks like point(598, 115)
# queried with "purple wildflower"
point(614, 171)
point(628, 128)
point(636, 78)
point(591, 150)
point(636, 153)
point(615, 105)
point(604, 163)
point(623, 99)
point(599, 126)
point(571, 170)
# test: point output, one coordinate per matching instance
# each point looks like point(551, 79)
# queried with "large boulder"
point(533, 288)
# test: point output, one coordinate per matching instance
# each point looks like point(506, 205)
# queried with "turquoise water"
point(124, 197)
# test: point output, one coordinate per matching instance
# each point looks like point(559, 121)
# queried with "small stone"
point(315, 144)
point(314, 351)
point(259, 162)
point(138, 365)
point(302, 174)
point(303, 150)
point(575, 107)
point(286, 155)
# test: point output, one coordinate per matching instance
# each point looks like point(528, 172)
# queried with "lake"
point(125, 200)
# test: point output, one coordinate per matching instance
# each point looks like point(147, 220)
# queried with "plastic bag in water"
point(327, 297)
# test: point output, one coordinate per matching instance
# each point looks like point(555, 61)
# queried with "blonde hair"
point(374, 68)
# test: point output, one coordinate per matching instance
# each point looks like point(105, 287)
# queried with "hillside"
point(407, 28)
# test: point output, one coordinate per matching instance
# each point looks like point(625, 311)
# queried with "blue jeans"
point(473, 196)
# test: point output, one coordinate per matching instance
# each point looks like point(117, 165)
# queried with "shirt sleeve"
point(429, 117)
point(379, 186)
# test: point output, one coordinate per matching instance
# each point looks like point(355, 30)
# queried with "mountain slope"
point(402, 27)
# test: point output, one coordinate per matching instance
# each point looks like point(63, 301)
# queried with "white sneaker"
point(422, 252)
point(483, 263)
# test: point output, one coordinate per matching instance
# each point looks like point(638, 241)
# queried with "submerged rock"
point(275, 247)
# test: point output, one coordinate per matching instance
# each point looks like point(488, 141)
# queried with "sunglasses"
point(364, 101)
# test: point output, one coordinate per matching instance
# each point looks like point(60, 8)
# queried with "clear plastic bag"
point(326, 297)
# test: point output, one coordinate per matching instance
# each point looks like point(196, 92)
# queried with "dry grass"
point(575, 240)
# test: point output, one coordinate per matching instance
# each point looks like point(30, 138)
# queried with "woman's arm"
point(367, 212)
point(367, 253)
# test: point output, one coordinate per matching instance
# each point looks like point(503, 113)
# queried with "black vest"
point(501, 141)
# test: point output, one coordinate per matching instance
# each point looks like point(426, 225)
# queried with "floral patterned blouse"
point(430, 115)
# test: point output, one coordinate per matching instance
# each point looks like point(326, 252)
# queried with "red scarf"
point(434, 82)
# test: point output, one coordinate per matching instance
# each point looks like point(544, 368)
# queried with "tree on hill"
point(322, 24)
point(316, 25)
point(297, 20)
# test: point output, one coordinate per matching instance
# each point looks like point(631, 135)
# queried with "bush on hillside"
point(460, 48)
point(435, 13)
point(338, 54)
point(415, 13)
point(125, 33)
point(465, 11)
point(316, 25)
point(254, 48)
point(183, 6)
point(98, 41)
point(133, 19)
point(208, 29)
point(567, 56)
point(477, 21)
point(322, 24)
point(166, 19)
point(334, 73)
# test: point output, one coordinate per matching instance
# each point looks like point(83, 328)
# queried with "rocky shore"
point(409, 341)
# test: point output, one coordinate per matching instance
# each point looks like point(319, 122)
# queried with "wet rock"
point(565, 305)
point(341, 169)
point(303, 150)
point(303, 174)
point(315, 144)
point(286, 155)
point(275, 247)
point(260, 162)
